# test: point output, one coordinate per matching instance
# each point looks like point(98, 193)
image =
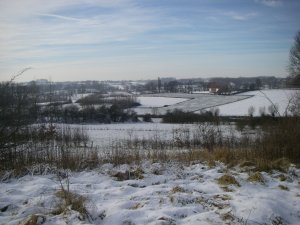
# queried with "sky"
point(70, 40)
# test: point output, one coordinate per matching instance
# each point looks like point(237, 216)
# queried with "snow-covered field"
point(158, 101)
point(164, 194)
point(105, 135)
point(280, 97)
point(195, 102)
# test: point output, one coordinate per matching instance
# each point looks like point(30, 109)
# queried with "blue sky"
point(143, 39)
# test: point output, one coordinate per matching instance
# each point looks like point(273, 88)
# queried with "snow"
point(159, 101)
point(177, 195)
point(118, 86)
point(76, 97)
point(280, 97)
point(201, 92)
point(106, 135)
point(195, 102)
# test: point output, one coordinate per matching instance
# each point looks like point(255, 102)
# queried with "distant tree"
point(171, 86)
point(262, 111)
point(147, 118)
point(252, 86)
point(158, 84)
point(251, 111)
point(294, 66)
point(150, 86)
point(258, 83)
point(224, 90)
point(273, 110)
point(70, 113)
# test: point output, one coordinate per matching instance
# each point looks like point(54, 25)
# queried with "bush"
point(147, 118)
point(227, 179)
point(178, 116)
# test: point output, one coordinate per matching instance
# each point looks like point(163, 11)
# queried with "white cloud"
point(32, 27)
point(271, 3)
point(240, 16)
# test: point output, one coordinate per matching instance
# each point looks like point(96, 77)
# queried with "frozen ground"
point(164, 194)
point(105, 135)
point(280, 97)
point(159, 101)
point(195, 102)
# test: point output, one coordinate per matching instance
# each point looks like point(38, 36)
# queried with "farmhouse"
point(213, 88)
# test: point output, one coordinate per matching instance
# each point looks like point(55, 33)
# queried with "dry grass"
point(273, 149)
point(256, 178)
point(70, 200)
point(281, 164)
point(282, 177)
point(137, 206)
point(227, 179)
point(177, 189)
point(282, 187)
point(247, 164)
point(35, 220)
point(136, 174)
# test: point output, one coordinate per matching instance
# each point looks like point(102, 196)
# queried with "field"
point(106, 136)
point(259, 101)
point(159, 101)
point(158, 173)
point(234, 105)
point(195, 102)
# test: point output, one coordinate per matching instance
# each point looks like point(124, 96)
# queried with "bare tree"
point(17, 109)
point(251, 111)
point(294, 104)
point(294, 66)
point(158, 84)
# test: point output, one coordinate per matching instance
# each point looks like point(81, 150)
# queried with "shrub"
point(282, 187)
point(178, 116)
point(147, 118)
point(227, 179)
point(256, 178)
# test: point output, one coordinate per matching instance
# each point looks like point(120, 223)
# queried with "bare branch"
point(273, 104)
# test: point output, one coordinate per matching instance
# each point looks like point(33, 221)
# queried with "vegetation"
point(87, 114)
point(18, 109)
point(256, 178)
point(178, 116)
point(227, 179)
point(23, 145)
point(68, 199)
point(294, 66)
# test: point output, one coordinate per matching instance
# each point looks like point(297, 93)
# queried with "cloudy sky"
point(142, 39)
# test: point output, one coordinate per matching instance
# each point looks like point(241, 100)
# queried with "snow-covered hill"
point(280, 97)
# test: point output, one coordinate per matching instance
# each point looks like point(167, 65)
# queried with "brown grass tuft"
point(228, 180)
point(256, 178)
point(75, 201)
point(35, 220)
point(282, 187)
point(177, 189)
point(136, 174)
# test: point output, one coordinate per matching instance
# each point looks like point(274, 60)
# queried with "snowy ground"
point(195, 102)
point(280, 97)
point(166, 194)
point(105, 135)
point(159, 101)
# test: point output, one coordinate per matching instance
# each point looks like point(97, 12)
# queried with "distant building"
point(213, 88)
